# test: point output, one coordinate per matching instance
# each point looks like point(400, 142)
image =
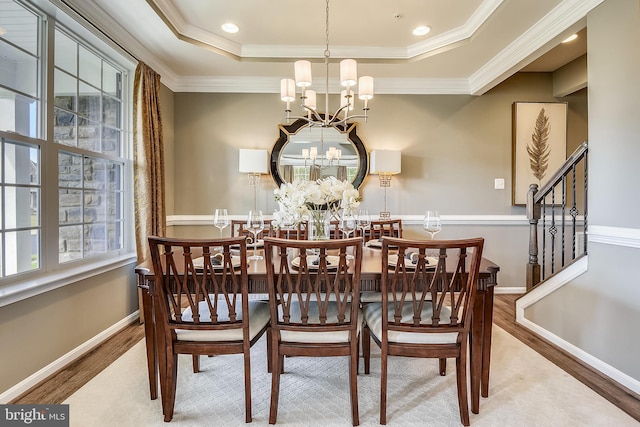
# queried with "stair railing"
point(557, 213)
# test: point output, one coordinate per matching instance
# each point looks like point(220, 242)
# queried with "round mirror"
point(338, 152)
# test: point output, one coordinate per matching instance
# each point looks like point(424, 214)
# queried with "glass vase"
point(319, 224)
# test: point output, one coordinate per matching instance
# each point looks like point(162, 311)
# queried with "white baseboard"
point(64, 360)
point(554, 283)
point(510, 290)
point(608, 370)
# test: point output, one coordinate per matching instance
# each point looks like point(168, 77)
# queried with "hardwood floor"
point(64, 383)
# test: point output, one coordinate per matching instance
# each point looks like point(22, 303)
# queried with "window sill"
point(22, 290)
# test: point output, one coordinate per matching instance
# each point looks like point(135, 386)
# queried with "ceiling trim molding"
point(384, 86)
point(528, 46)
point(171, 16)
point(453, 37)
point(569, 16)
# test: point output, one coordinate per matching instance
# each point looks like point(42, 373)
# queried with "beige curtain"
point(148, 159)
point(287, 173)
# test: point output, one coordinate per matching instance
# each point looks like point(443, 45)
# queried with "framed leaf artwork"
point(539, 145)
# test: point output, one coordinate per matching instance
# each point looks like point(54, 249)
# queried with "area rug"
point(525, 390)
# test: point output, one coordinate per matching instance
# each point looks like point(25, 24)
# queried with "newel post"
point(533, 214)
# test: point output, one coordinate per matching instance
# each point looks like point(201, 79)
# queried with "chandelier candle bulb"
point(305, 153)
point(345, 99)
point(311, 99)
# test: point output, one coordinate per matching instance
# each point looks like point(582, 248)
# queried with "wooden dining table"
point(370, 279)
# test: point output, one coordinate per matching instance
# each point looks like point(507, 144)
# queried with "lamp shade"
point(365, 87)
point(385, 161)
point(253, 161)
point(287, 90)
point(302, 70)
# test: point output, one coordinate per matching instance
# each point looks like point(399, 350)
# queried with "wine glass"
point(348, 224)
point(221, 219)
point(432, 223)
point(287, 223)
point(255, 224)
point(364, 222)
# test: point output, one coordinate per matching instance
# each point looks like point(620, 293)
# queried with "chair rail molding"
point(505, 220)
point(629, 237)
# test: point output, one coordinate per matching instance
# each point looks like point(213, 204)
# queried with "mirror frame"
point(350, 129)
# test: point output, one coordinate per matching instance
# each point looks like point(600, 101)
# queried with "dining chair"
point(428, 288)
point(384, 228)
point(313, 299)
point(299, 232)
point(201, 305)
point(379, 228)
point(334, 230)
point(239, 228)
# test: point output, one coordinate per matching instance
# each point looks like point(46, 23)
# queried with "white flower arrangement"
point(296, 200)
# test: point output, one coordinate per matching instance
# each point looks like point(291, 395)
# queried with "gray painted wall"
point(37, 331)
point(452, 149)
point(599, 312)
point(453, 146)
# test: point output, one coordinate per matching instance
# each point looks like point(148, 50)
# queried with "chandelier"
point(348, 79)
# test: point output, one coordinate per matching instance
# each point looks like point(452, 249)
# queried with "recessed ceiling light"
point(2, 31)
point(230, 28)
point(570, 38)
point(421, 30)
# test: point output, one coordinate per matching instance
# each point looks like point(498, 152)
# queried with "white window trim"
point(52, 274)
point(24, 289)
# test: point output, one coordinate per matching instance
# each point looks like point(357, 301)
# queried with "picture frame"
point(539, 145)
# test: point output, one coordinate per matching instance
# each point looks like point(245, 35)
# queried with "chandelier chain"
point(327, 52)
point(350, 79)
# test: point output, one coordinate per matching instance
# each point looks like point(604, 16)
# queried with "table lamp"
point(385, 163)
point(254, 163)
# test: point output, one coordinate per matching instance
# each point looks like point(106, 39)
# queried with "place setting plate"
point(431, 262)
point(332, 262)
point(259, 244)
point(198, 263)
point(377, 244)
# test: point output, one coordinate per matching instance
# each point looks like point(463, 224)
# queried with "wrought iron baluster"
point(544, 238)
point(562, 220)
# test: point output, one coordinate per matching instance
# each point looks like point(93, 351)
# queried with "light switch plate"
point(498, 184)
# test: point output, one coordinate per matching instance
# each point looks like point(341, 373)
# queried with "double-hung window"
point(87, 119)
point(65, 169)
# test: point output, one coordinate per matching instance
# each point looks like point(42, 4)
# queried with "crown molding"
point(568, 16)
point(529, 45)
point(384, 86)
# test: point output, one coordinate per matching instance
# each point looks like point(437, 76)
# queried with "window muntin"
point(21, 26)
point(88, 112)
point(20, 62)
point(91, 206)
point(88, 130)
point(20, 223)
